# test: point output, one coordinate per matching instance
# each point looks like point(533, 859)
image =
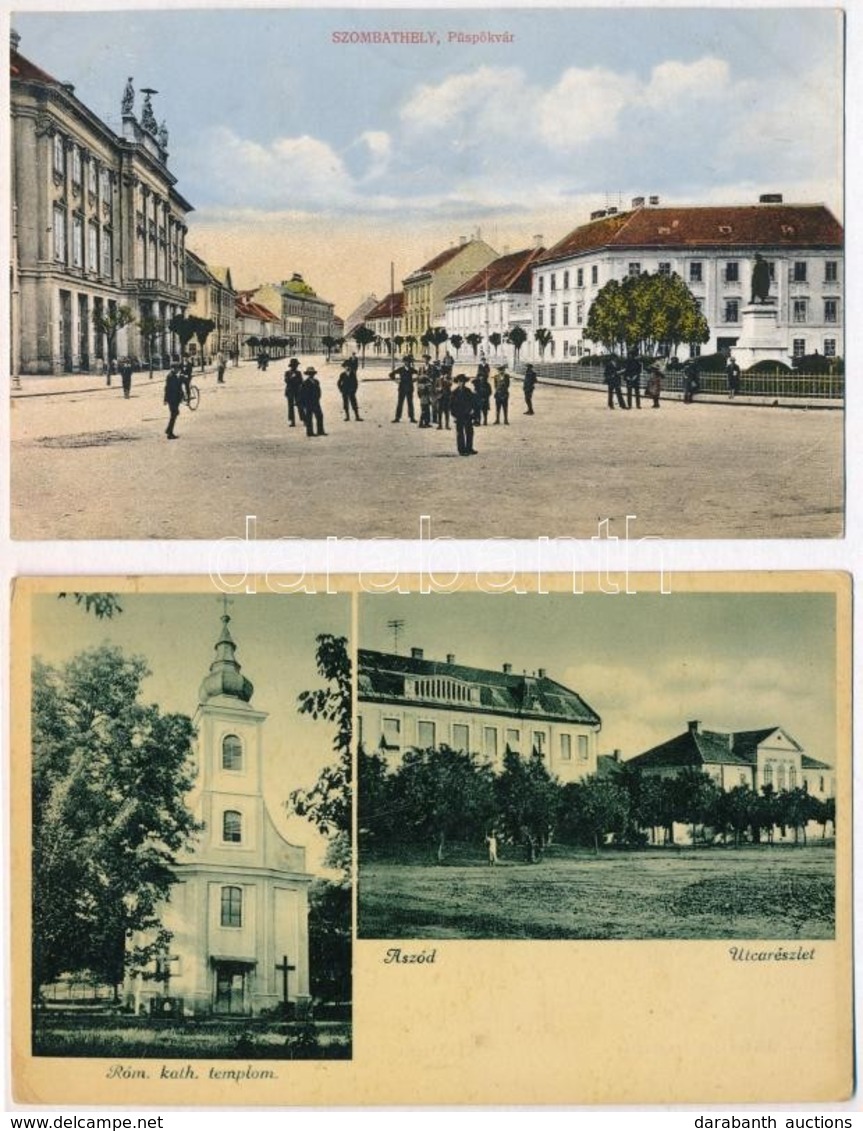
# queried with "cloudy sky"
point(647, 663)
point(302, 153)
point(275, 638)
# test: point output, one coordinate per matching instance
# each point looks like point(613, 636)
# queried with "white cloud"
point(379, 147)
point(674, 85)
point(584, 106)
point(488, 101)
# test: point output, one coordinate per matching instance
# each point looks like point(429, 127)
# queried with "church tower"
point(238, 914)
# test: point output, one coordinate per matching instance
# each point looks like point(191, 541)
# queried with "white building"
point(238, 913)
point(410, 702)
point(493, 301)
point(713, 250)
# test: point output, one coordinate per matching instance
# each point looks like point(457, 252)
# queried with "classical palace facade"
point(713, 250)
point(98, 226)
point(409, 702)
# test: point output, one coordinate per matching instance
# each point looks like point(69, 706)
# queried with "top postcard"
point(599, 253)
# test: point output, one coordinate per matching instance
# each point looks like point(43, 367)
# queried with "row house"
point(306, 319)
point(713, 250)
point(409, 702)
point(98, 228)
point(426, 288)
point(493, 302)
point(254, 322)
point(386, 318)
point(211, 295)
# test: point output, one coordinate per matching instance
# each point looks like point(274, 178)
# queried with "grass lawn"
point(755, 892)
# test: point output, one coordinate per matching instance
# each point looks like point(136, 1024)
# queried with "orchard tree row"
point(439, 796)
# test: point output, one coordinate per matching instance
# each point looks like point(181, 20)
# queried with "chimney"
point(612, 212)
point(616, 754)
point(537, 240)
point(462, 240)
point(598, 214)
point(770, 198)
point(14, 39)
point(507, 668)
point(541, 672)
point(416, 653)
point(654, 200)
point(69, 86)
point(638, 202)
point(694, 726)
point(450, 657)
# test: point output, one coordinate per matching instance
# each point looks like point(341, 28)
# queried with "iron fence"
point(805, 386)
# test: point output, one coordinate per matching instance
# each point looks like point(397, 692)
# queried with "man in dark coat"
point(611, 376)
point(501, 394)
point(528, 385)
point(173, 398)
point(293, 385)
point(126, 376)
point(691, 381)
point(732, 373)
point(347, 384)
point(462, 407)
point(310, 403)
point(405, 377)
point(632, 377)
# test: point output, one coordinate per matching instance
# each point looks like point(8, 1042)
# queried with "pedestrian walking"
point(653, 388)
point(611, 376)
point(221, 366)
point(462, 409)
point(174, 397)
point(632, 377)
point(691, 381)
point(347, 384)
point(293, 386)
point(126, 376)
point(405, 376)
point(310, 402)
point(501, 394)
point(528, 385)
point(732, 374)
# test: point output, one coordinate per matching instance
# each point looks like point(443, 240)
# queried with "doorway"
point(230, 993)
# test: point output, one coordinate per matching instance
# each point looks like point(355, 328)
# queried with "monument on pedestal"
point(760, 337)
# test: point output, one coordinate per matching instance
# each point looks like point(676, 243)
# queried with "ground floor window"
point(829, 347)
point(799, 347)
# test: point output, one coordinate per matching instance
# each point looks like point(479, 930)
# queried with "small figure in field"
point(462, 406)
point(611, 376)
point(653, 388)
point(405, 377)
point(732, 373)
point(691, 381)
point(126, 376)
point(632, 377)
point(293, 386)
point(491, 842)
point(528, 385)
point(173, 398)
point(501, 395)
point(347, 384)
point(310, 403)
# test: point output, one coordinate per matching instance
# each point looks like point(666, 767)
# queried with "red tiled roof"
point(508, 273)
point(21, 68)
point(255, 310)
point(393, 306)
point(758, 225)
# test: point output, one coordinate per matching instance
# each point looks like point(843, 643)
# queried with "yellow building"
point(426, 288)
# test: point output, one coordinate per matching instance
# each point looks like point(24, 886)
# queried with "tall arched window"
point(232, 826)
point(232, 753)
point(232, 907)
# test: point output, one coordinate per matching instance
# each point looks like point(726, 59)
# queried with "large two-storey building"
point(411, 701)
point(713, 250)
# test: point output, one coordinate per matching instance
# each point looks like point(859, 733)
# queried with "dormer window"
point(232, 753)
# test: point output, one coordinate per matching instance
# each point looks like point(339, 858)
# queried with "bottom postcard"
point(351, 847)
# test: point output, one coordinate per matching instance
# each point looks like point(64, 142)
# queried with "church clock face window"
point(232, 907)
point(232, 827)
point(232, 753)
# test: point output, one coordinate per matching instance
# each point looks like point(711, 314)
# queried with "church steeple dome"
point(225, 677)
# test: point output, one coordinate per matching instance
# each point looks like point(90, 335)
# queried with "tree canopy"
point(110, 778)
point(645, 312)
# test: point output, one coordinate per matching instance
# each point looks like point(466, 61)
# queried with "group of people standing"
point(630, 374)
point(303, 394)
point(442, 397)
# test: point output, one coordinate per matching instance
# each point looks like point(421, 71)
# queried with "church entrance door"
point(230, 988)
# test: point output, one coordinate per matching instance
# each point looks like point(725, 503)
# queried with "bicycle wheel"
point(194, 397)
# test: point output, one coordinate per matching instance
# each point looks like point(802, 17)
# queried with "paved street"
point(93, 465)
